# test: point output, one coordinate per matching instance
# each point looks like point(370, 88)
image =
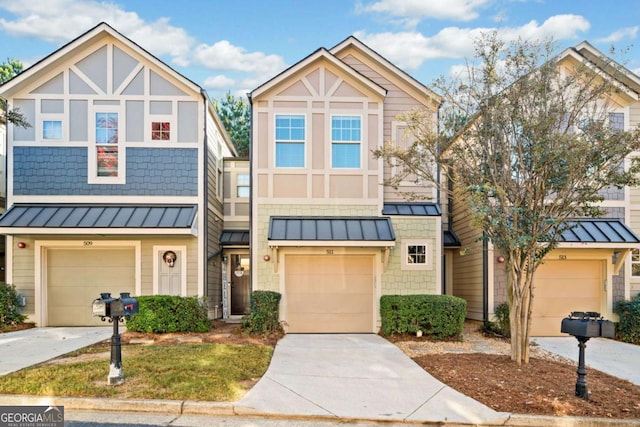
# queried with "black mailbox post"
point(585, 325)
point(115, 310)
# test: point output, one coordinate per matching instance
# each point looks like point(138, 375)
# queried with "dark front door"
point(240, 284)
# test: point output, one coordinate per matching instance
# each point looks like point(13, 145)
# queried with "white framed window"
point(635, 263)
point(52, 130)
point(417, 254)
point(106, 150)
point(242, 185)
point(346, 140)
point(290, 137)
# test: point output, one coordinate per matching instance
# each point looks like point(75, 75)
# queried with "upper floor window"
point(290, 133)
point(416, 254)
point(243, 185)
point(346, 138)
point(160, 131)
point(52, 129)
point(107, 144)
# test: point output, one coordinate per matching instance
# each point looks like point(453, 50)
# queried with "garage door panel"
point(329, 293)
point(338, 323)
point(76, 277)
point(562, 287)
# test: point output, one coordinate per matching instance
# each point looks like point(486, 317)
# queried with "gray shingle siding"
point(63, 171)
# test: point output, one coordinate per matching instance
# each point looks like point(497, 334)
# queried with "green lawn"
point(202, 372)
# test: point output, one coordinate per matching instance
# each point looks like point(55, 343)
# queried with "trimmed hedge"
point(9, 306)
point(169, 313)
point(264, 314)
point(439, 316)
point(628, 330)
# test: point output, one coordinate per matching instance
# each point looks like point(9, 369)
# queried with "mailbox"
point(102, 306)
point(587, 324)
point(124, 306)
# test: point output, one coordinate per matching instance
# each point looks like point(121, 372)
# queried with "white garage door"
point(327, 294)
point(562, 287)
point(75, 277)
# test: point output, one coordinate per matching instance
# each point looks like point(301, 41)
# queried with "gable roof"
point(352, 42)
point(319, 54)
point(626, 81)
point(100, 31)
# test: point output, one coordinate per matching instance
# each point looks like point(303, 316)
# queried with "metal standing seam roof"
point(234, 237)
point(99, 216)
point(598, 230)
point(331, 229)
point(412, 209)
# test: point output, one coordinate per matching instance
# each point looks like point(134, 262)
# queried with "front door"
point(240, 283)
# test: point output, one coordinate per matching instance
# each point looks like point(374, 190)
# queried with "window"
point(52, 129)
point(243, 185)
point(416, 254)
point(616, 122)
point(290, 131)
point(635, 263)
point(107, 144)
point(346, 136)
point(160, 131)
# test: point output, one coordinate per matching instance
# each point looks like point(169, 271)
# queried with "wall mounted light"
point(22, 245)
point(500, 259)
point(266, 258)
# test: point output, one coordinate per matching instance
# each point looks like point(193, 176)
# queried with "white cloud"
point(410, 49)
point(622, 33)
point(223, 55)
point(410, 12)
point(54, 21)
point(219, 82)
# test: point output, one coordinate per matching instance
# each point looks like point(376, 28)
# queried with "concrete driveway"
point(32, 346)
point(357, 376)
point(611, 357)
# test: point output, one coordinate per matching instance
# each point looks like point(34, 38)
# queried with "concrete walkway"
point(357, 376)
point(615, 358)
point(32, 346)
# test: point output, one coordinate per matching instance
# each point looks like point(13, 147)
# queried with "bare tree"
point(526, 138)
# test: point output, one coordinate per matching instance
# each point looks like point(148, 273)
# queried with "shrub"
point(168, 313)
point(502, 325)
point(628, 329)
point(264, 314)
point(439, 316)
point(9, 306)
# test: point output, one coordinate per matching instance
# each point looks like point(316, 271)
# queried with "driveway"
point(32, 346)
point(357, 376)
point(609, 356)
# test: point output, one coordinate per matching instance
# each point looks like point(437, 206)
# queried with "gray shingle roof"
point(331, 228)
point(98, 216)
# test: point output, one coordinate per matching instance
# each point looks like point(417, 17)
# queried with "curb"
point(228, 409)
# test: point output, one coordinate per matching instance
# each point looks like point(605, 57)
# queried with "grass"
point(201, 372)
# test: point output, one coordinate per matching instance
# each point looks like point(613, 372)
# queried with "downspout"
point(443, 266)
point(485, 277)
point(205, 196)
point(252, 268)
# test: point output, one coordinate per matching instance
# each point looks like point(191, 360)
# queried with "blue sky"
point(239, 44)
